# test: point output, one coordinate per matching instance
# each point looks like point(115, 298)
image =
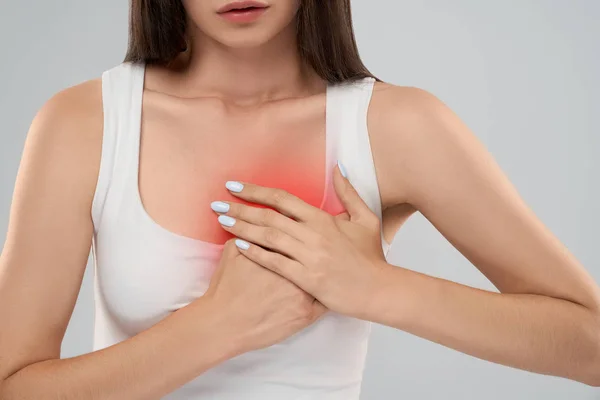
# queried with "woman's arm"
point(147, 366)
point(547, 318)
point(42, 265)
point(527, 331)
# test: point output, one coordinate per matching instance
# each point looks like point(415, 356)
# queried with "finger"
point(229, 249)
point(289, 269)
point(279, 199)
point(352, 202)
point(344, 216)
point(266, 217)
point(271, 238)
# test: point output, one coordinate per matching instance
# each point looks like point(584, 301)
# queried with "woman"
point(234, 260)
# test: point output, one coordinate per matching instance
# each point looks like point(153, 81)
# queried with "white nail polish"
point(342, 169)
point(219, 206)
point(226, 220)
point(242, 244)
point(234, 186)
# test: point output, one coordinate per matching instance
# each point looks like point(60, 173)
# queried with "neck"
point(248, 76)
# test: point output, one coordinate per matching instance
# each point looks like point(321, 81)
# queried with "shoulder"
point(70, 121)
point(72, 113)
point(410, 128)
point(64, 140)
point(399, 112)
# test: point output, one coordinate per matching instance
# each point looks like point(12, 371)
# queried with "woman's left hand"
point(337, 259)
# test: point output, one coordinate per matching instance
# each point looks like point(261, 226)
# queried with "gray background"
point(522, 74)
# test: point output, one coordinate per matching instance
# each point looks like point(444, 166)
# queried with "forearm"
point(525, 331)
point(146, 366)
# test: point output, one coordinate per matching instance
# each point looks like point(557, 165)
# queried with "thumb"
point(229, 251)
point(355, 206)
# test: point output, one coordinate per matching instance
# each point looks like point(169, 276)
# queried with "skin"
point(251, 88)
point(339, 260)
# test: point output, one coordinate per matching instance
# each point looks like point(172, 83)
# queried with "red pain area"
point(309, 187)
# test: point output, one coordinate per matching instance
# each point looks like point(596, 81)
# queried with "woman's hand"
point(338, 259)
point(261, 307)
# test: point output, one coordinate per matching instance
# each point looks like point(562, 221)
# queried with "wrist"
point(389, 302)
point(370, 302)
point(212, 325)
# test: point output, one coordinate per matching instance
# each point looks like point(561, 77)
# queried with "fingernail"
point(242, 244)
point(226, 220)
point(234, 186)
point(219, 206)
point(342, 169)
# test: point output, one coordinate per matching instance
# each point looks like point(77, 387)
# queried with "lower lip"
point(244, 16)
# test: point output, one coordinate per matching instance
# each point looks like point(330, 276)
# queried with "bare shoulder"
point(408, 127)
point(64, 140)
point(74, 111)
point(398, 110)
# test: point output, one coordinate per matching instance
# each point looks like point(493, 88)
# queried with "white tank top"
point(143, 272)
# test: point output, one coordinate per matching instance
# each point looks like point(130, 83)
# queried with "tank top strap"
point(353, 146)
point(122, 90)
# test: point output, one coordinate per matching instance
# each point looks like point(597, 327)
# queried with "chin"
point(245, 39)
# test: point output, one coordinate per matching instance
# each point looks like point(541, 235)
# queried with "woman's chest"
point(185, 160)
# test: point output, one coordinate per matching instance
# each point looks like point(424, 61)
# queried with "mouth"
point(240, 7)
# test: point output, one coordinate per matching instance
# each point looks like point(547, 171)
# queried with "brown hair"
point(157, 34)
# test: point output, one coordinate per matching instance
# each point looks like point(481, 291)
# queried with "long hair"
point(157, 34)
